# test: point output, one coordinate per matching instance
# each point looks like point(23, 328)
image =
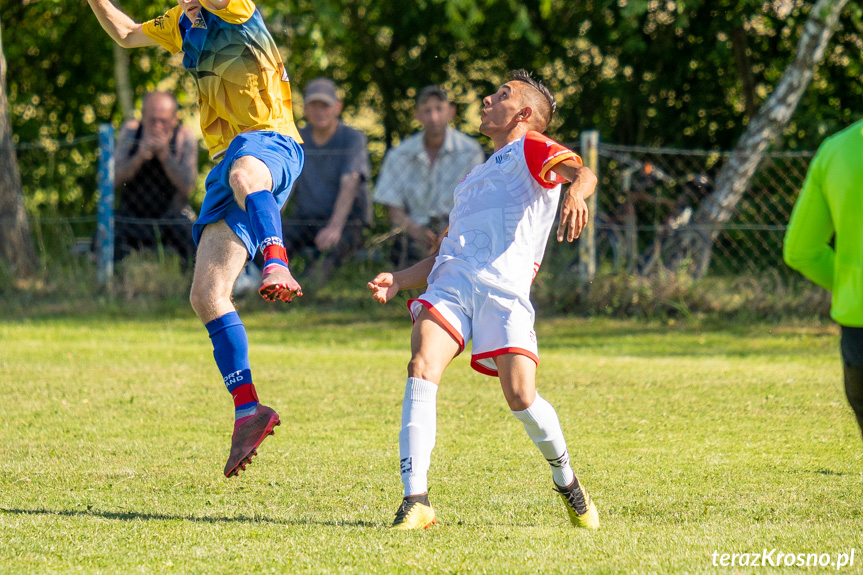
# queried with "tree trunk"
point(771, 119)
point(16, 244)
point(744, 68)
point(125, 94)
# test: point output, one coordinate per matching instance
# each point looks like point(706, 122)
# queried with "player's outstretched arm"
point(125, 31)
point(386, 285)
point(573, 208)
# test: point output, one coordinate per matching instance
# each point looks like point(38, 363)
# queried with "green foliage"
point(647, 73)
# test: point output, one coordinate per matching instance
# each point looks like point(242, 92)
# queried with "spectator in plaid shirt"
point(417, 178)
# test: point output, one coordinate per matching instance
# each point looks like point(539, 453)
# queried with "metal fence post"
point(105, 223)
point(587, 240)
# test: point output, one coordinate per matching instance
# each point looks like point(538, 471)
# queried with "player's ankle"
point(274, 253)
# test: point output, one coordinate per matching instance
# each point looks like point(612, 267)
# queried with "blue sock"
point(231, 350)
point(266, 221)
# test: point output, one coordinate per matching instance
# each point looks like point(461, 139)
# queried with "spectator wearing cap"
point(417, 178)
point(330, 203)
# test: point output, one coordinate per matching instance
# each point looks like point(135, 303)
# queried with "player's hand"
point(573, 216)
point(384, 287)
point(328, 238)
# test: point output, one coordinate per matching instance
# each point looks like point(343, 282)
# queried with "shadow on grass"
point(134, 516)
point(822, 472)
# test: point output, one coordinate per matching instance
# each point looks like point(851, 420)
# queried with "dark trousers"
point(852, 357)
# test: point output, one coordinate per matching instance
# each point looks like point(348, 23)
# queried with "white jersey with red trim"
point(503, 213)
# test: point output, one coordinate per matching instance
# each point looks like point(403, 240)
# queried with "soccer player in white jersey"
point(479, 287)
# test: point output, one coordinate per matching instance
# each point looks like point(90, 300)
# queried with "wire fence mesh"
point(646, 198)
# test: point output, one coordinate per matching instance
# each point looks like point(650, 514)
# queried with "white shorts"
point(499, 322)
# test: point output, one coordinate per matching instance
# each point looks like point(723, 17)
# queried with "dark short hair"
point(431, 92)
point(525, 76)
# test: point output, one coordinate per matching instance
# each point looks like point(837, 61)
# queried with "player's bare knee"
point(241, 184)
point(199, 297)
point(249, 175)
point(520, 401)
point(420, 367)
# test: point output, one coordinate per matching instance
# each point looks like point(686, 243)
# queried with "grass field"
point(692, 438)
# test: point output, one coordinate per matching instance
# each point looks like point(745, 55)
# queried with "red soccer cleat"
point(277, 283)
point(248, 437)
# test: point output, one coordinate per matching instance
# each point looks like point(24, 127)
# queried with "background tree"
point(772, 117)
point(684, 74)
point(16, 246)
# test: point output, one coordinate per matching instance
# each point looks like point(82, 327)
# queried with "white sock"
point(417, 437)
point(543, 427)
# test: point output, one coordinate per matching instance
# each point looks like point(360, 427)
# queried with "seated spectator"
point(418, 176)
point(156, 164)
point(330, 203)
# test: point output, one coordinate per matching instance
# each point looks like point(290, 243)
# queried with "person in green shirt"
point(824, 242)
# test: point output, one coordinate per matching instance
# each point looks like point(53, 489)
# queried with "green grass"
point(692, 438)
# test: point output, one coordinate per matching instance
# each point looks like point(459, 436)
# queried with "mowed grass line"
point(692, 439)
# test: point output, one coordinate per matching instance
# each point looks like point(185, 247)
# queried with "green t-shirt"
point(831, 202)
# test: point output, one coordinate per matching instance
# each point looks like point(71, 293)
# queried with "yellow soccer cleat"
point(415, 512)
point(579, 506)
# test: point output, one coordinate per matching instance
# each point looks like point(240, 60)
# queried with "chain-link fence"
point(60, 191)
point(647, 198)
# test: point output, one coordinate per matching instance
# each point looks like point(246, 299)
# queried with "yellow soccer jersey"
point(242, 82)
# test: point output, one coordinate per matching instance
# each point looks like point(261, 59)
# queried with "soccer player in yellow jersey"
point(245, 100)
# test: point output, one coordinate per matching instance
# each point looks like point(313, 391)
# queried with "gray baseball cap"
point(321, 90)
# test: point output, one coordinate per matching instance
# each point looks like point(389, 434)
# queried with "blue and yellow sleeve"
point(165, 30)
point(236, 12)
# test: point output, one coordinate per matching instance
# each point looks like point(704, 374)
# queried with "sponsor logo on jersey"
point(199, 22)
point(503, 157)
point(159, 21)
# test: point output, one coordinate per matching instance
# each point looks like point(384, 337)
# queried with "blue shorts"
point(282, 155)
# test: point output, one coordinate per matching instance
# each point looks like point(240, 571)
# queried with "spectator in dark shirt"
point(156, 165)
point(330, 202)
